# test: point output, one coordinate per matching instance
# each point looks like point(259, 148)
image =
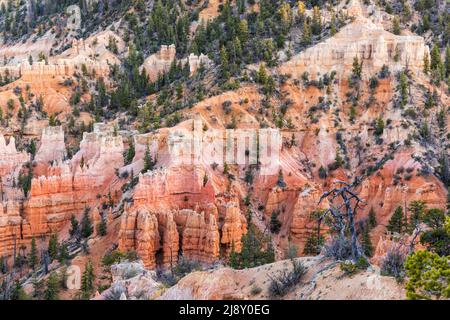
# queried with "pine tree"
point(435, 58)
point(447, 61)
point(149, 164)
point(74, 227)
point(275, 224)
point(3, 265)
point(417, 210)
point(333, 26)
point(396, 26)
point(379, 126)
point(403, 89)
point(102, 227)
point(316, 21)
point(87, 281)
point(372, 218)
point(234, 258)
point(86, 224)
point(261, 76)
point(396, 223)
point(52, 290)
point(224, 62)
point(306, 36)
point(131, 152)
point(313, 244)
point(367, 242)
point(357, 68)
point(33, 258)
point(426, 64)
point(63, 253)
point(53, 246)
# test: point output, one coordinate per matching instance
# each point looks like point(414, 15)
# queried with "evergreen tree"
point(313, 244)
point(306, 35)
point(367, 242)
point(372, 222)
point(403, 88)
point(426, 64)
point(131, 152)
point(396, 223)
point(233, 260)
point(447, 61)
point(87, 281)
point(379, 126)
point(53, 246)
point(316, 26)
point(427, 276)
point(396, 26)
point(18, 293)
point(63, 253)
point(357, 68)
point(417, 210)
point(86, 224)
point(3, 265)
point(33, 258)
point(74, 227)
point(275, 224)
point(149, 164)
point(52, 290)
point(435, 58)
point(256, 250)
point(102, 227)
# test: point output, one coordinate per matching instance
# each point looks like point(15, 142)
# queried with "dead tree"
point(343, 214)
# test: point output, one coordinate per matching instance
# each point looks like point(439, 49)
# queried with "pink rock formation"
point(160, 62)
point(363, 39)
point(201, 238)
point(139, 231)
point(234, 227)
point(52, 146)
point(10, 159)
point(187, 213)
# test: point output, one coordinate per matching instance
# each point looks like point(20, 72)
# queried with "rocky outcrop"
point(234, 227)
point(52, 146)
point(201, 238)
point(366, 40)
point(160, 62)
point(91, 54)
point(68, 187)
point(323, 280)
point(304, 223)
point(14, 230)
point(189, 217)
point(139, 232)
point(10, 159)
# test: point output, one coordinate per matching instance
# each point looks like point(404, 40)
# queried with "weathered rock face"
point(66, 187)
point(139, 232)
point(234, 226)
point(91, 54)
point(304, 224)
point(52, 146)
point(201, 238)
point(14, 230)
point(10, 159)
point(195, 62)
point(176, 187)
point(159, 62)
point(363, 39)
point(188, 217)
